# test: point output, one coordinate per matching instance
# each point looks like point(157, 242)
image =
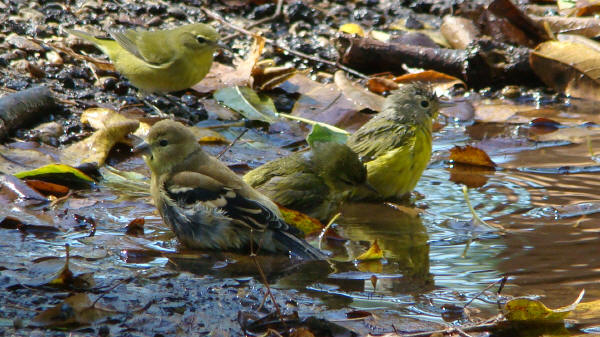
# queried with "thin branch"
point(217, 17)
point(231, 144)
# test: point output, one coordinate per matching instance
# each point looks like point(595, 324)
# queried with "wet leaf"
point(73, 311)
point(59, 174)
point(324, 134)
point(573, 135)
point(470, 155)
point(95, 148)
point(588, 27)
point(527, 310)
point(568, 67)
point(101, 118)
point(373, 253)
point(469, 175)
point(267, 75)
point(205, 135)
point(359, 95)
point(438, 80)
point(135, 227)
point(21, 189)
point(248, 103)
point(308, 225)
point(358, 314)
point(47, 188)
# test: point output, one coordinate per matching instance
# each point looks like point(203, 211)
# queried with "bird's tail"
point(298, 246)
point(101, 43)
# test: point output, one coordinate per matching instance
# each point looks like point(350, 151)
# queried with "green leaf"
point(58, 173)
point(320, 133)
point(248, 103)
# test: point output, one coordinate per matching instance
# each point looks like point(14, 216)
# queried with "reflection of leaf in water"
point(125, 183)
point(73, 311)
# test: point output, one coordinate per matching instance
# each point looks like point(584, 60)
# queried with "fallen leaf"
point(588, 27)
point(573, 135)
point(308, 225)
point(437, 80)
point(248, 103)
point(101, 118)
point(75, 310)
point(568, 67)
point(222, 76)
point(527, 310)
point(470, 155)
point(59, 174)
point(267, 75)
point(352, 28)
point(359, 95)
point(21, 189)
point(95, 148)
point(47, 188)
point(373, 253)
point(324, 134)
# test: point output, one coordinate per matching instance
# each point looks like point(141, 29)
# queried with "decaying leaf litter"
point(120, 279)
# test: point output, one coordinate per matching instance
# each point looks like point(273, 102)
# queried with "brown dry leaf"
point(327, 103)
point(75, 310)
point(459, 31)
point(222, 76)
point(568, 67)
point(357, 93)
point(435, 78)
point(100, 118)
point(205, 135)
point(501, 113)
point(587, 7)
point(470, 155)
point(95, 148)
point(573, 135)
point(379, 85)
point(267, 75)
point(47, 188)
point(588, 27)
point(373, 253)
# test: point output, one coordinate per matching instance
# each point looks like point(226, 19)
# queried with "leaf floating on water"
point(248, 103)
point(47, 188)
point(470, 155)
point(373, 253)
point(533, 311)
point(73, 311)
point(359, 95)
point(308, 225)
point(60, 174)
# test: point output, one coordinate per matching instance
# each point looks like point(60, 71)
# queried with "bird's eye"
point(201, 39)
point(424, 104)
point(163, 142)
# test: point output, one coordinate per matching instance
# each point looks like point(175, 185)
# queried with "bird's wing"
point(379, 136)
point(144, 47)
point(189, 189)
point(297, 190)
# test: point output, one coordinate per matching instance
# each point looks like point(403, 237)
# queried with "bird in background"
point(314, 182)
point(396, 144)
point(207, 205)
point(160, 61)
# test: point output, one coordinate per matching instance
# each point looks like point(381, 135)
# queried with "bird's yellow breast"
point(396, 173)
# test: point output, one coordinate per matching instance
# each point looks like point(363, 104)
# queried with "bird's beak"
point(143, 148)
point(370, 187)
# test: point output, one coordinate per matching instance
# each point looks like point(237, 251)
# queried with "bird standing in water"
point(207, 205)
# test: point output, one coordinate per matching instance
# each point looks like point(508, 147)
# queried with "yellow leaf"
point(303, 222)
point(374, 253)
point(527, 310)
point(352, 28)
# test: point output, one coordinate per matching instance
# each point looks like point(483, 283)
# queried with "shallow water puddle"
point(544, 194)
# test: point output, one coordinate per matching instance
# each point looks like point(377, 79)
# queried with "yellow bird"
point(396, 144)
point(160, 61)
point(207, 205)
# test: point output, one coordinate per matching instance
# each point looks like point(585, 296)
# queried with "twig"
point(484, 290)
point(259, 22)
point(231, 144)
point(216, 16)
